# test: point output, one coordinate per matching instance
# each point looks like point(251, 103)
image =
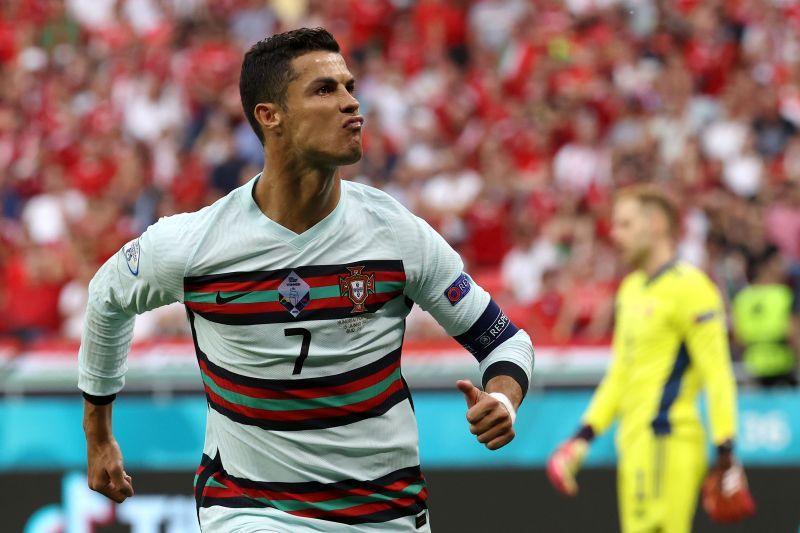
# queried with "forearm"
point(508, 386)
point(708, 349)
point(105, 468)
point(721, 396)
point(97, 421)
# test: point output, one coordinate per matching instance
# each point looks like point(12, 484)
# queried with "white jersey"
point(298, 338)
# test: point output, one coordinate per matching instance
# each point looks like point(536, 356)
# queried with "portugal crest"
point(357, 286)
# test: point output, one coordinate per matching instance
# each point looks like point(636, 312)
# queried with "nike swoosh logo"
point(224, 300)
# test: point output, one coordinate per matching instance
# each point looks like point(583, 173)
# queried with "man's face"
point(632, 231)
point(321, 123)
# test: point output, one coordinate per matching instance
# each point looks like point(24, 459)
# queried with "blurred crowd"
point(507, 124)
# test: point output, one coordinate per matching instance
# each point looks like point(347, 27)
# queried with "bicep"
point(437, 281)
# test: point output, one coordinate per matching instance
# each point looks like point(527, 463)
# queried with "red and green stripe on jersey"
point(319, 292)
point(395, 495)
point(305, 403)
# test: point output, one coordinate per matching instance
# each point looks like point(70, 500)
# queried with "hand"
point(726, 496)
point(488, 419)
point(106, 473)
point(563, 465)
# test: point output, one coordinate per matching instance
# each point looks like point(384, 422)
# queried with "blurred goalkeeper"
point(669, 343)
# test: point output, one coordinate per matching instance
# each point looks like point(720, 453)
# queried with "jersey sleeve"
point(604, 405)
point(145, 274)
point(436, 281)
point(702, 319)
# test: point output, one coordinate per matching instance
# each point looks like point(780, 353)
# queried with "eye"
point(325, 89)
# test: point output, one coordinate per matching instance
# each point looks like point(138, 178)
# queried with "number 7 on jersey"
point(291, 332)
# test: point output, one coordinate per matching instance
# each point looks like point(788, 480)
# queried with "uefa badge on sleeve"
point(458, 289)
point(131, 252)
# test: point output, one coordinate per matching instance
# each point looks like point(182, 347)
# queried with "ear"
point(269, 116)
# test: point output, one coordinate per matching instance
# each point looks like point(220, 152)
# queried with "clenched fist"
point(105, 471)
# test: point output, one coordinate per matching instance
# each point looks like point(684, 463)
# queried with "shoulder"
point(699, 297)
point(180, 225)
point(635, 278)
point(373, 198)
point(183, 229)
point(380, 208)
point(691, 278)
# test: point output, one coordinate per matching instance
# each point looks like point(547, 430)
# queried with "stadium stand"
point(508, 137)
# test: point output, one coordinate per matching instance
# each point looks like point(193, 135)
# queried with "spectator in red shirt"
point(32, 281)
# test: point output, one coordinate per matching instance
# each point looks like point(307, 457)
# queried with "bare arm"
point(508, 386)
point(104, 458)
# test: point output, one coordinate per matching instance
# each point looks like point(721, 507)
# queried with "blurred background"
point(507, 124)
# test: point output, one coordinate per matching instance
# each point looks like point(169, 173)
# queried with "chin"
point(635, 260)
point(349, 159)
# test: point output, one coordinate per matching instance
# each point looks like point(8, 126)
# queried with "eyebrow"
point(328, 80)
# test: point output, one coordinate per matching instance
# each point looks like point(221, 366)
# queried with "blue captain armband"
point(491, 329)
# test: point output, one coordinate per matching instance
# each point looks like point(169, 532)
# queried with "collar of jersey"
point(298, 240)
point(663, 269)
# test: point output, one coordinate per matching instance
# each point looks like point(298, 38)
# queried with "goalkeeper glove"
point(726, 497)
point(564, 464)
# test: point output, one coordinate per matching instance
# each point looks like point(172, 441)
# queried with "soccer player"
point(296, 287)
point(669, 343)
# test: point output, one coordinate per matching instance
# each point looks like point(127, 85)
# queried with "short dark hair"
point(267, 67)
point(652, 195)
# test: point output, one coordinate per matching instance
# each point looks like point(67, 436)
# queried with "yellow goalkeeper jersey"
point(670, 342)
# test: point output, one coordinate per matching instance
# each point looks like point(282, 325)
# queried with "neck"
point(295, 195)
point(661, 254)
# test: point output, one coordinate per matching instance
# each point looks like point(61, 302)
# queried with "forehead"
point(627, 206)
point(320, 63)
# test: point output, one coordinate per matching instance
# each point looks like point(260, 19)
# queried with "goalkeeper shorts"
point(659, 479)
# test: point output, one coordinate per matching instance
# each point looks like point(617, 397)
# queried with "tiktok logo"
point(83, 509)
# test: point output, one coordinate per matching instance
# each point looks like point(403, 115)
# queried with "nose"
point(349, 104)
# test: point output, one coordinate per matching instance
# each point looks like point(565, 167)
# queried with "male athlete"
point(296, 286)
point(669, 342)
